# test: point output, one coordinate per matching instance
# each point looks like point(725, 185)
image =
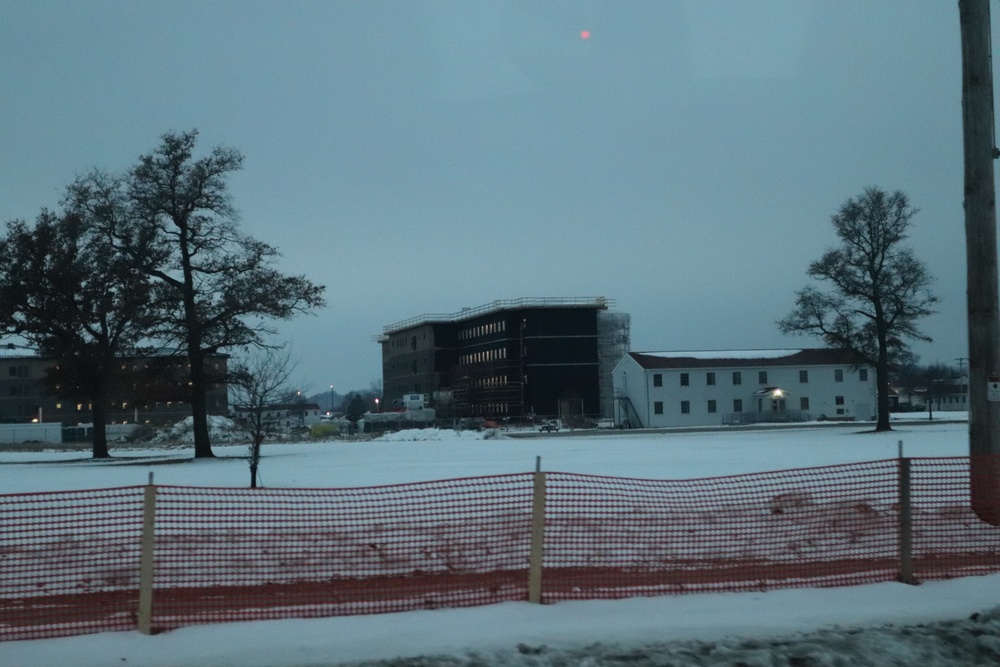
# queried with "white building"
point(951, 395)
point(666, 389)
point(285, 415)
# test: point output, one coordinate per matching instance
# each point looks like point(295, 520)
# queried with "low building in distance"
point(545, 357)
point(151, 389)
point(670, 389)
point(296, 414)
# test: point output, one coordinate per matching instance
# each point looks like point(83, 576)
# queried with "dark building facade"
point(151, 390)
point(547, 357)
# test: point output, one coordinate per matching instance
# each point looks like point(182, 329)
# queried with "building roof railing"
point(599, 302)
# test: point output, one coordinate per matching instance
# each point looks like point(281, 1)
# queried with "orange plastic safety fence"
point(241, 554)
point(614, 538)
point(949, 538)
point(69, 562)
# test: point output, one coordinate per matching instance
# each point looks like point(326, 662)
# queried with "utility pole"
point(981, 252)
point(963, 375)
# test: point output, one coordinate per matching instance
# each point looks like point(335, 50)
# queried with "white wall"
point(50, 433)
point(821, 389)
point(286, 418)
point(629, 380)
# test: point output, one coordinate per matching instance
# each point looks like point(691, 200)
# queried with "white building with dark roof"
point(671, 389)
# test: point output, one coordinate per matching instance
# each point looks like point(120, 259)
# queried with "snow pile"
point(886, 624)
point(438, 434)
point(219, 429)
point(975, 641)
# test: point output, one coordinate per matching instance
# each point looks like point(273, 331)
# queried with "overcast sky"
point(418, 157)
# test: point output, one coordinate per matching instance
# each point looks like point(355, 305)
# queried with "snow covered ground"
point(883, 624)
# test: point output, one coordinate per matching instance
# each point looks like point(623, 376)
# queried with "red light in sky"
point(584, 34)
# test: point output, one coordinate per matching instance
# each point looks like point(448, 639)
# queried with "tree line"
point(926, 382)
point(140, 263)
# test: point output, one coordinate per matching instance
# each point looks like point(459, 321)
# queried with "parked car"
point(550, 426)
point(469, 424)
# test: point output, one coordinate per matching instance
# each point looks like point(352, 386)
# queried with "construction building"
point(546, 357)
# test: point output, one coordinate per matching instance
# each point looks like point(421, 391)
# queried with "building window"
point(737, 405)
point(840, 411)
point(863, 374)
point(657, 379)
point(685, 379)
point(710, 378)
point(711, 406)
point(658, 408)
point(761, 377)
point(804, 403)
point(803, 376)
point(737, 377)
point(838, 375)
point(839, 400)
point(685, 407)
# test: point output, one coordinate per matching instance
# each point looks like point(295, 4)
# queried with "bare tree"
point(938, 379)
point(65, 288)
point(221, 285)
point(879, 292)
point(255, 382)
point(354, 410)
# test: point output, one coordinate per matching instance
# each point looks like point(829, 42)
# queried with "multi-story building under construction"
point(533, 356)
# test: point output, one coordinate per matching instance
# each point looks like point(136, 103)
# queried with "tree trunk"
point(881, 367)
point(882, 397)
point(882, 384)
point(258, 440)
point(99, 416)
point(199, 418)
point(196, 357)
point(199, 402)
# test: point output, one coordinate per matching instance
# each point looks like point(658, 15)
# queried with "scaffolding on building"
point(614, 339)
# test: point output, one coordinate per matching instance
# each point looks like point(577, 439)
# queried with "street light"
point(331, 400)
point(376, 405)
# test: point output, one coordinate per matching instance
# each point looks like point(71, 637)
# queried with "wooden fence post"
point(905, 523)
point(537, 536)
point(145, 612)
